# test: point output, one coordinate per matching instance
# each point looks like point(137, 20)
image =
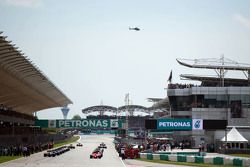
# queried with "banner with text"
point(83, 123)
point(179, 124)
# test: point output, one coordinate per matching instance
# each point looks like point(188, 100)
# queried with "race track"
point(78, 157)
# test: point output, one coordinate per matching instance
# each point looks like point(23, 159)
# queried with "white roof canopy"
point(234, 136)
point(23, 87)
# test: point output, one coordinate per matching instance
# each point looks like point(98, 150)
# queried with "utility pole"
point(127, 111)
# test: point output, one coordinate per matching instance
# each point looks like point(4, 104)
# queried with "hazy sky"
point(86, 48)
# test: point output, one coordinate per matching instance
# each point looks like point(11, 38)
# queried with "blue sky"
point(86, 49)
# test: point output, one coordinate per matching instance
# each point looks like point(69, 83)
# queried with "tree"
point(76, 117)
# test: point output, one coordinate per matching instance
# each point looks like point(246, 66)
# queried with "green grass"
point(71, 140)
point(50, 130)
point(241, 155)
point(9, 158)
point(185, 163)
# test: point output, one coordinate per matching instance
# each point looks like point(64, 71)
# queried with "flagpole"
point(126, 113)
point(170, 82)
point(170, 77)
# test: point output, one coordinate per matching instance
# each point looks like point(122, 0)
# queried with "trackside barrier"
point(150, 156)
point(143, 155)
point(218, 160)
point(183, 153)
point(198, 159)
point(156, 156)
point(244, 162)
point(209, 160)
point(181, 158)
point(172, 158)
point(190, 159)
point(164, 157)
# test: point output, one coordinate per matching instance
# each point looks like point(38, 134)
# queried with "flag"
point(170, 77)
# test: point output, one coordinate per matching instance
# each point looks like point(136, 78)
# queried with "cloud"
point(24, 3)
point(242, 20)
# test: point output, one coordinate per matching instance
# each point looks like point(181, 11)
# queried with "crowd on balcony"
point(180, 86)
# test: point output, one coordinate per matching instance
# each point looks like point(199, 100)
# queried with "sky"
point(86, 49)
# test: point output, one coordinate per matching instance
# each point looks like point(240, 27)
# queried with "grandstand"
point(160, 103)
point(130, 113)
point(101, 109)
point(130, 110)
point(218, 100)
point(25, 89)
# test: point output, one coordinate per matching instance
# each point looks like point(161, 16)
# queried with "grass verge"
point(71, 140)
point(9, 158)
point(185, 163)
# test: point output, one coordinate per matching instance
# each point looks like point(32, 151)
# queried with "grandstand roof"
point(164, 103)
point(103, 108)
point(151, 99)
point(24, 88)
point(132, 107)
point(213, 81)
point(212, 63)
point(99, 108)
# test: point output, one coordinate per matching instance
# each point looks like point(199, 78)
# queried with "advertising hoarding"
point(83, 123)
point(174, 124)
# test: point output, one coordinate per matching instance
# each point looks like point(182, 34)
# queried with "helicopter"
point(134, 28)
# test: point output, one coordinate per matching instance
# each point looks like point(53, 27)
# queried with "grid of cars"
point(96, 154)
point(56, 151)
point(60, 150)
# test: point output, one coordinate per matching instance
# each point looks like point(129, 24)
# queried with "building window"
point(236, 109)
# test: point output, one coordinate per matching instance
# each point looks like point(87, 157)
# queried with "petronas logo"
point(197, 124)
point(114, 123)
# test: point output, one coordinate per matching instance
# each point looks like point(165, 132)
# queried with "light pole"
point(226, 118)
point(126, 112)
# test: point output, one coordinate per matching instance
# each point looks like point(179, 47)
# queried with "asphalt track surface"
point(79, 157)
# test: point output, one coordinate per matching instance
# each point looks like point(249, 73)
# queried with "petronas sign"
point(180, 124)
point(83, 123)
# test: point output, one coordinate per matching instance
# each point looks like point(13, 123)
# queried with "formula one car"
point(79, 144)
point(96, 154)
point(102, 145)
point(56, 151)
point(71, 146)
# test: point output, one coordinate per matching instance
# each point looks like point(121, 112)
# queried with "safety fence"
point(245, 162)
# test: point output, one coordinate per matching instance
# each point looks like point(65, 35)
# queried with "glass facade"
point(236, 102)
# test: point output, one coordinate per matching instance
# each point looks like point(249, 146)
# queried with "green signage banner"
point(83, 123)
point(174, 124)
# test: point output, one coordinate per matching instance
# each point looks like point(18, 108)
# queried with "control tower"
point(65, 111)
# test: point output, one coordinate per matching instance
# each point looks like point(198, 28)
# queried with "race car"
point(102, 145)
point(56, 151)
point(71, 146)
point(96, 154)
point(79, 144)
